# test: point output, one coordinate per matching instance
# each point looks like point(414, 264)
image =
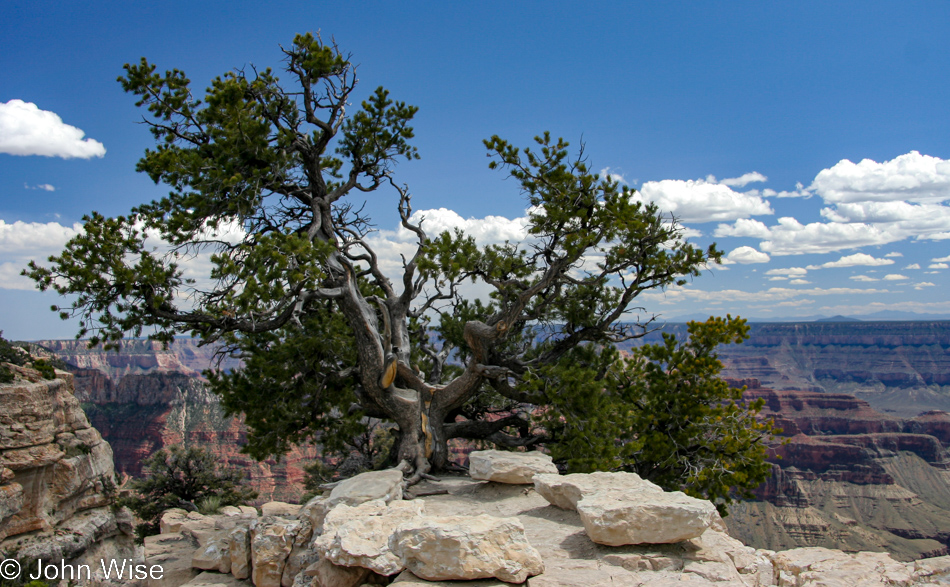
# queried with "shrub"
point(181, 478)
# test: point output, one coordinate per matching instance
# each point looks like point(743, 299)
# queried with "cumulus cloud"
point(29, 238)
point(911, 177)
point(894, 254)
point(894, 277)
point(863, 278)
point(923, 284)
point(913, 266)
point(799, 282)
point(27, 130)
point(702, 201)
point(857, 259)
point(941, 259)
point(866, 204)
point(938, 266)
point(745, 256)
point(487, 230)
point(774, 294)
point(788, 271)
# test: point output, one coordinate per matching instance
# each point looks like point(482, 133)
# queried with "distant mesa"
point(838, 318)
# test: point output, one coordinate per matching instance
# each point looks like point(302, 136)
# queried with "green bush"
point(181, 478)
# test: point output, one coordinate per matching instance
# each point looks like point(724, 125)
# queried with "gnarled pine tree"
point(327, 337)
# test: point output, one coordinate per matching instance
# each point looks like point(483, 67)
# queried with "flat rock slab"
point(407, 579)
point(616, 518)
point(359, 536)
point(466, 547)
point(385, 485)
point(517, 468)
point(564, 491)
point(279, 508)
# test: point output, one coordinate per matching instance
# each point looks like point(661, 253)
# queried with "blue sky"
point(751, 121)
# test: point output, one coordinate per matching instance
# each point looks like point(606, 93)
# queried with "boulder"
point(564, 491)
point(327, 574)
point(465, 548)
point(301, 555)
point(172, 520)
point(271, 542)
point(517, 468)
point(822, 566)
point(359, 536)
point(616, 518)
point(385, 485)
point(214, 554)
point(314, 511)
point(279, 508)
point(407, 579)
point(239, 548)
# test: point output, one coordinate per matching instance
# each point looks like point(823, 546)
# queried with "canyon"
point(861, 464)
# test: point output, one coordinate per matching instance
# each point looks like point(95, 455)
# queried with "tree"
point(328, 339)
point(666, 415)
point(181, 478)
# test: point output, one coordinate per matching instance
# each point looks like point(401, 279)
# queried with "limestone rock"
point(509, 467)
point(407, 579)
point(172, 520)
point(314, 511)
point(385, 485)
point(615, 518)
point(564, 491)
point(279, 508)
point(327, 574)
point(816, 566)
point(466, 547)
point(271, 542)
point(214, 554)
point(239, 548)
point(301, 555)
point(172, 552)
point(359, 536)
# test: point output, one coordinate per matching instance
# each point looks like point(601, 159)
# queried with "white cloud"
point(799, 282)
point(745, 256)
point(617, 177)
point(42, 186)
point(894, 254)
point(27, 130)
point(744, 179)
point(923, 284)
point(791, 237)
point(744, 227)
point(29, 238)
point(702, 201)
point(853, 261)
point(490, 229)
point(938, 266)
point(863, 278)
point(913, 266)
point(894, 277)
point(911, 177)
point(10, 277)
point(941, 259)
point(789, 271)
point(773, 294)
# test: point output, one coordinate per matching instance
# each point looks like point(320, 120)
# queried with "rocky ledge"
point(57, 485)
point(546, 531)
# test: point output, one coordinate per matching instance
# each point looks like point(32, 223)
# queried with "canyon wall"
point(845, 476)
point(57, 484)
point(145, 398)
point(900, 368)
